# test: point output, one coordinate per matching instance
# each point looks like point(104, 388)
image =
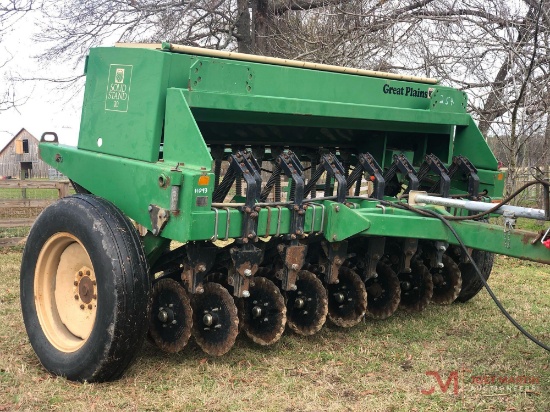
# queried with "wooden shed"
point(19, 159)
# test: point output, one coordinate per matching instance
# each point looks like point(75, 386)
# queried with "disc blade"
point(416, 287)
point(347, 299)
point(383, 292)
point(307, 306)
point(263, 313)
point(171, 316)
point(215, 319)
point(447, 282)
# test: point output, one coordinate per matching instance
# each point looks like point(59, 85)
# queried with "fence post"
point(63, 189)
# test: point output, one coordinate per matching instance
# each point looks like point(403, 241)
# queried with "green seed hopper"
point(293, 191)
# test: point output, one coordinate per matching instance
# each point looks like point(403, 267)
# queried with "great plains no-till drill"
point(296, 192)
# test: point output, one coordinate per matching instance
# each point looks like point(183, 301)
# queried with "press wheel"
point(383, 292)
point(215, 319)
point(471, 283)
point(171, 316)
point(416, 287)
point(307, 306)
point(347, 299)
point(263, 314)
point(447, 282)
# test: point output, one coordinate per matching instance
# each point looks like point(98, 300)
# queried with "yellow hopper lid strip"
point(275, 60)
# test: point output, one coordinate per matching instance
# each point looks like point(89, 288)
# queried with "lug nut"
point(247, 272)
point(89, 306)
point(246, 294)
point(82, 307)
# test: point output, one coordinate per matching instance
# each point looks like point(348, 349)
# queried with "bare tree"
point(498, 51)
point(10, 12)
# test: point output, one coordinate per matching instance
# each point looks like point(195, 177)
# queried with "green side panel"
point(124, 102)
point(492, 181)
point(212, 75)
point(131, 185)
point(183, 142)
point(308, 112)
point(469, 142)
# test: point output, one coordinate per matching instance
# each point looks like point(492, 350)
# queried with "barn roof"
point(15, 137)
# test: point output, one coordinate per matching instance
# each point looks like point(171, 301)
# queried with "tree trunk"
point(261, 23)
point(243, 26)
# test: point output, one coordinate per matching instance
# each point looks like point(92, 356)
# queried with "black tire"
point(471, 283)
point(84, 245)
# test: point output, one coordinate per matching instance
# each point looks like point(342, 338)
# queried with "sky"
point(47, 106)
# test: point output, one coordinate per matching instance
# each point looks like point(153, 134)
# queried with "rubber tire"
point(471, 283)
point(123, 288)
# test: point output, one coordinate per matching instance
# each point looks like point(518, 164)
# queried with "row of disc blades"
point(215, 318)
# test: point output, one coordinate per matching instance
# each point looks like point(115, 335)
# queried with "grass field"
point(375, 366)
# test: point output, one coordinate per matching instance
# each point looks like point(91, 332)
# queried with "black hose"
point(445, 221)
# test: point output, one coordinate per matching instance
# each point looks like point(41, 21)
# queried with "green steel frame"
point(149, 115)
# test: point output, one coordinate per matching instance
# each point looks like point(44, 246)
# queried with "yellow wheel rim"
point(65, 292)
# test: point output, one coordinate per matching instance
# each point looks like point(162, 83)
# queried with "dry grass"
point(375, 366)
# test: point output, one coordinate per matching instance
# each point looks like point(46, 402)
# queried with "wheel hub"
point(376, 291)
point(256, 312)
point(339, 297)
point(167, 315)
point(85, 289)
point(86, 286)
point(211, 319)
